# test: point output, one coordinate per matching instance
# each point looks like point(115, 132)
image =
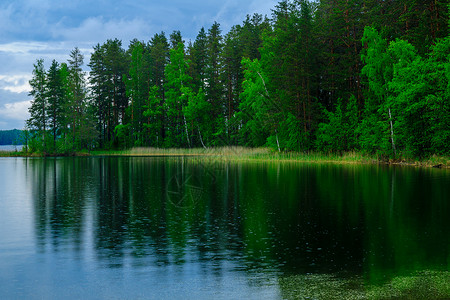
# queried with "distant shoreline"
point(11, 147)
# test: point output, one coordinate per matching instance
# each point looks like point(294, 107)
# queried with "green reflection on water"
point(418, 285)
point(358, 229)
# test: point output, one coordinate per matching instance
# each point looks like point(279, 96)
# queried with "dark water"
point(167, 228)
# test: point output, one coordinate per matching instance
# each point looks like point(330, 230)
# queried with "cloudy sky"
point(49, 29)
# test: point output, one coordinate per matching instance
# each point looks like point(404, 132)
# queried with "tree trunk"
point(278, 143)
point(187, 132)
point(200, 135)
point(392, 132)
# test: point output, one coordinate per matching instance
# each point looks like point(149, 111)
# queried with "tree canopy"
point(326, 75)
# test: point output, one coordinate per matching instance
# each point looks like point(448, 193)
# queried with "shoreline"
point(254, 154)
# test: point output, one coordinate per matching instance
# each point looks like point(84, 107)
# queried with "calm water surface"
point(11, 147)
point(166, 228)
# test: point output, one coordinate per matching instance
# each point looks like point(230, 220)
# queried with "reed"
point(239, 153)
point(230, 151)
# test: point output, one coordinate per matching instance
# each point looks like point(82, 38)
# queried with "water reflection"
point(263, 219)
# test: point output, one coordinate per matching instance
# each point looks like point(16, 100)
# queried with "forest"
point(327, 76)
point(10, 137)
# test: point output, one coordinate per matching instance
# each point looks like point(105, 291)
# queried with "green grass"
point(11, 153)
point(247, 154)
point(237, 153)
point(230, 152)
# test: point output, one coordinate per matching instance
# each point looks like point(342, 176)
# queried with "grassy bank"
point(4, 153)
point(258, 154)
point(11, 153)
point(266, 154)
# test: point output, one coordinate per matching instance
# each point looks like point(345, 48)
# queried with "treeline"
point(10, 137)
point(333, 75)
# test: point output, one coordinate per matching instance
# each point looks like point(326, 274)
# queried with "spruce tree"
point(55, 99)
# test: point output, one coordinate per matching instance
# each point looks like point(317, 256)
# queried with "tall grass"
point(348, 157)
point(230, 151)
point(238, 153)
point(245, 154)
point(6, 153)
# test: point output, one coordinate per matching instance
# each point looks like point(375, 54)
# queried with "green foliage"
point(258, 111)
point(153, 112)
point(197, 115)
point(339, 133)
point(56, 101)
point(137, 92)
point(413, 89)
point(38, 109)
point(123, 132)
point(11, 137)
point(276, 83)
point(292, 137)
point(59, 110)
point(108, 66)
point(177, 95)
point(373, 132)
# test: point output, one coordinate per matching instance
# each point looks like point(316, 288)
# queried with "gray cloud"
point(13, 109)
point(97, 30)
point(50, 29)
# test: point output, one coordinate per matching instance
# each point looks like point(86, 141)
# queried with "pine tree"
point(231, 77)
point(98, 80)
point(78, 112)
point(137, 91)
point(55, 99)
point(39, 105)
point(177, 92)
point(214, 87)
point(158, 57)
point(198, 57)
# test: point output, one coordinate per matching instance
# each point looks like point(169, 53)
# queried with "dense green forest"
point(10, 137)
point(330, 75)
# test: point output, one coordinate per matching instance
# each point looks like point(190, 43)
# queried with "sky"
point(50, 29)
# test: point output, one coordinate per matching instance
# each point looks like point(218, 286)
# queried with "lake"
point(170, 228)
point(11, 147)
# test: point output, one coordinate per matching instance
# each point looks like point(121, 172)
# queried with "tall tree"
point(109, 65)
point(116, 68)
point(55, 99)
point(231, 78)
point(137, 90)
point(38, 109)
point(258, 110)
point(198, 57)
point(378, 114)
point(288, 61)
point(251, 34)
point(158, 57)
point(79, 115)
point(339, 25)
point(214, 88)
point(175, 39)
point(98, 80)
point(177, 91)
